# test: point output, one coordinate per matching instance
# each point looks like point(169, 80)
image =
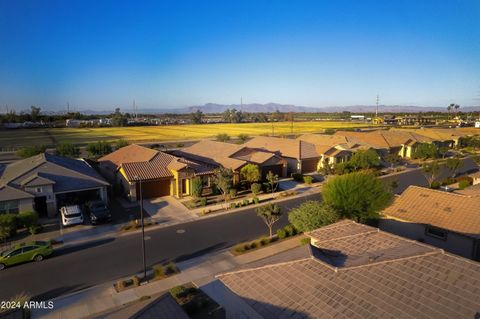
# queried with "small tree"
point(250, 173)
point(364, 159)
point(223, 137)
point(223, 179)
point(99, 148)
point(68, 150)
point(272, 180)
point(431, 171)
point(197, 187)
point(256, 188)
point(121, 143)
point(454, 164)
point(392, 159)
point(197, 117)
point(357, 195)
point(311, 215)
point(30, 151)
point(270, 214)
point(243, 137)
point(425, 151)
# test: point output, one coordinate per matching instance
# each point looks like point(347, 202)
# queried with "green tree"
point(197, 117)
point(357, 195)
point(431, 171)
point(392, 159)
point(364, 159)
point(342, 168)
point(256, 188)
point(35, 113)
point(250, 173)
point(98, 149)
point(425, 151)
point(312, 215)
point(243, 137)
point(223, 137)
point(454, 164)
point(270, 214)
point(272, 180)
point(121, 143)
point(119, 119)
point(197, 187)
point(30, 151)
point(223, 179)
point(68, 150)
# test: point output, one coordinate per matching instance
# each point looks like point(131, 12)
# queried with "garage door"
point(154, 188)
point(309, 166)
point(276, 169)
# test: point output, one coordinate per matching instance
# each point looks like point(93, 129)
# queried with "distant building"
point(477, 124)
point(357, 117)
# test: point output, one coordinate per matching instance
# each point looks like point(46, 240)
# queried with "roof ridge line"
point(348, 236)
point(264, 266)
point(437, 191)
point(80, 173)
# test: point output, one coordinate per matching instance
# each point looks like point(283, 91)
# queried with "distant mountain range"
point(210, 108)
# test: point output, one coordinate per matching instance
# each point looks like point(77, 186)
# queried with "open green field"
point(79, 136)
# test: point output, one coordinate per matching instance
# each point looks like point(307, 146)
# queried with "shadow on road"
point(72, 249)
point(57, 292)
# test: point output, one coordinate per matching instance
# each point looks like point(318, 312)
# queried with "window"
point(15, 253)
point(9, 207)
point(28, 248)
point(436, 232)
point(38, 189)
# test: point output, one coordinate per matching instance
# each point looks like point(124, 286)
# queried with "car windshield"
point(5, 252)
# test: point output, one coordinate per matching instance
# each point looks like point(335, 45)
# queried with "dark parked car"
point(98, 212)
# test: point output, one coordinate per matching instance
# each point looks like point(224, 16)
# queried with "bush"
point(264, 241)
point(179, 292)
point(253, 245)
point(256, 200)
point(464, 184)
point(197, 187)
point(170, 268)
point(308, 179)
point(256, 188)
point(298, 177)
point(232, 193)
point(203, 201)
point(158, 271)
point(35, 229)
point(281, 233)
point(448, 181)
point(136, 280)
point(120, 285)
point(246, 247)
point(305, 241)
point(245, 202)
point(435, 185)
point(27, 219)
point(464, 178)
point(8, 225)
point(290, 230)
point(191, 204)
point(233, 205)
point(239, 248)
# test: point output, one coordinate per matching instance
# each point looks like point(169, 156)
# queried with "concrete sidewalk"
point(103, 297)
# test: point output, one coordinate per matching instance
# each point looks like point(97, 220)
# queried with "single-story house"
point(351, 271)
point(302, 157)
point(159, 173)
point(45, 182)
point(450, 221)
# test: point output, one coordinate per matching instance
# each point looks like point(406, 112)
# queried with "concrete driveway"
point(167, 209)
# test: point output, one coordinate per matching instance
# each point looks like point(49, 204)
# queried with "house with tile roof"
point(45, 182)
point(171, 173)
point(353, 271)
point(450, 221)
point(301, 156)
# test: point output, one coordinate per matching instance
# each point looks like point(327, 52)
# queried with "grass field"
point(53, 136)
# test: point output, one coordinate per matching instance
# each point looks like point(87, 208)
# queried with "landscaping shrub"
point(253, 245)
point(264, 241)
point(191, 204)
point(233, 205)
point(179, 292)
point(281, 233)
point(290, 230)
point(464, 184)
point(245, 202)
point(308, 179)
point(232, 193)
point(27, 219)
point(35, 229)
point(136, 280)
point(246, 247)
point(256, 188)
point(298, 177)
point(197, 187)
point(8, 225)
point(239, 248)
point(203, 201)
point(464, 178)
point(305, 241)
point(158, 271)
point(170, 268)
point(256, 200)
point(448, 181)
point(120, 285)
point(435, 185)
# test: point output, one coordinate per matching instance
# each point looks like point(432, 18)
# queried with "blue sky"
point(102, 54)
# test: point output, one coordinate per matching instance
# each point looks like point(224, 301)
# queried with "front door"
point(41, 206)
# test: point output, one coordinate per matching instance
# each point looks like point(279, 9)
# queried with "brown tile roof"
point(385, 139)
point(254, 156)
point(470, 191)
point(427, 283)
point(11, 193)
point(455, 212)
point(285, 147)
point(129, 154)
point(214, 153)
point(440, 134)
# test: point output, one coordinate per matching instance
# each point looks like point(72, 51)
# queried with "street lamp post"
point(143, 229)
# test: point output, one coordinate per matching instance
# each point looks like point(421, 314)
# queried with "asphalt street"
point(78, 267)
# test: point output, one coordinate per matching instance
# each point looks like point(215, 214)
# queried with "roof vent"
point(401, 210)
point(423, 195)
point(448, 209)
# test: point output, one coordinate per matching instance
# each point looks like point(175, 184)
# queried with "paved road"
point(81, 266)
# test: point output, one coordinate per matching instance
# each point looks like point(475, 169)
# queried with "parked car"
point(99, 212)
point(31, 251)
point(71, 215)
point(446, 188)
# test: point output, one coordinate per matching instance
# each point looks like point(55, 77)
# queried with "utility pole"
point(135, 109)
point(376, 110)
point(143, 229)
